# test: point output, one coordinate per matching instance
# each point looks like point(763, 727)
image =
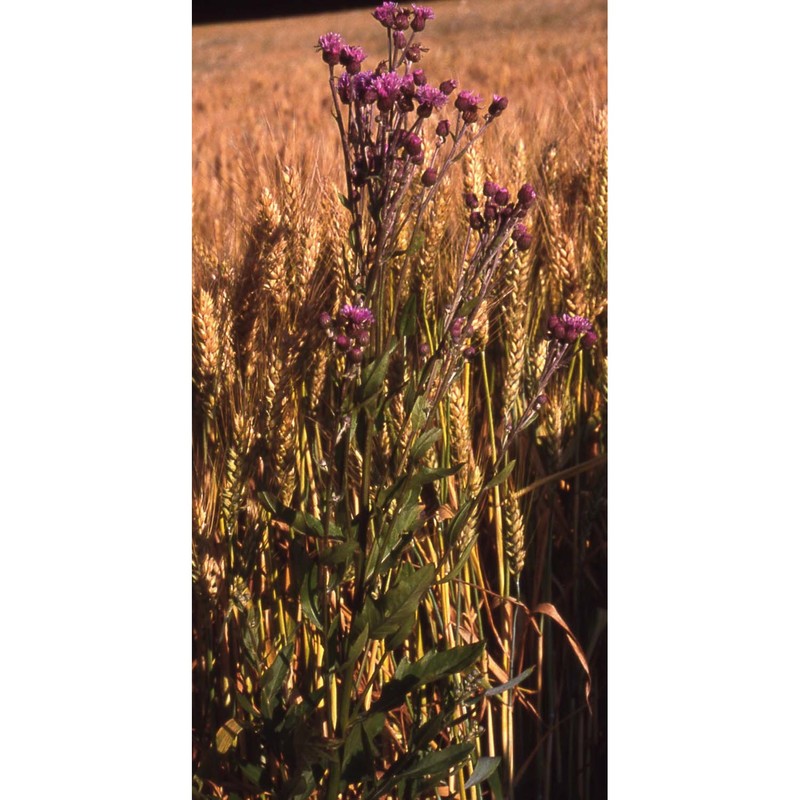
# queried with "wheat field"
point(270, 256)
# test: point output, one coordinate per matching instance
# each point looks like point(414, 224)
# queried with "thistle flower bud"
point(469, 352)
point(471, 200)
point(571, 335)
point(343, 342)
point(498, 105)
point(443, 129)
point(448, 86)
point(524, 242)
point(413, 144)
point(476, 221)
point(355, 354)
point(519, 230)
point(526, 195)
point(589, 340)
point(401, 21)
point(541, 400)
point(362, 337)
point(501, 196)
point(421, 15)
point(457, 328)
point(413, 53)
point(490, 189)
point(429, 176)
point(490, 211)
point(559, 331)
point(552, 321)
point(424, 349)
point(419, 77)
point(399, 39)
point(325, 319)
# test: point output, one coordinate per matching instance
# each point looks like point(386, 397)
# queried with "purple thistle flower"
point(388, 87)
point(568, 328)
point(430, 96)
point(419, 76)
point(344, 89)
point(357, 316)
point(351, 58)
point(448, 86)
point(498, 105)
point(490, 189)
point(526, 195)
point(467, 101)
point(363, 87)
point(421, 15)
point(331, 45)
point(401, 20)
point(524, 242)
point(355, 354)
point(384, 13)
point(413, 145)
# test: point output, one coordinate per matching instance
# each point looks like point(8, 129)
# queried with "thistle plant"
point(375, 687)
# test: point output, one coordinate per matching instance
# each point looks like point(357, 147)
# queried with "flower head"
point(498, 105)
point(526, 195)
point(331, 45)
point(467, 104)
point(384, 13)
point(568, 328)
point(421, 15)
point(351, 57)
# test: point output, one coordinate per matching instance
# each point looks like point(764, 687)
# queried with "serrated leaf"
point(227, 735)
point(516, 680)
point(484, 767)
point(502, 475)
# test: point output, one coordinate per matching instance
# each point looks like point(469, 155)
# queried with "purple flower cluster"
point(467, 103)
point(567, 328)
point(350, 331)
point(498, 211)
point(397, 18)
point(335, 51)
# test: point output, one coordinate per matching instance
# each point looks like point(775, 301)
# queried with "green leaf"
point(393, 610)
point(433, 666)
point(502, 475)
point(484, 767)
point(375, 373)
point(517, 679)
point(299, 521)
point(407, 323)
point(359, 752)
point(416, 244)
point(339, 554)
point(438, 762)
point(428, 475)
point(462, 559)
point(273, 679)
point(425, 442)
point(356, 649)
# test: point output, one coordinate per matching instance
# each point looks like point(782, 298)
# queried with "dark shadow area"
point(208, 11)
